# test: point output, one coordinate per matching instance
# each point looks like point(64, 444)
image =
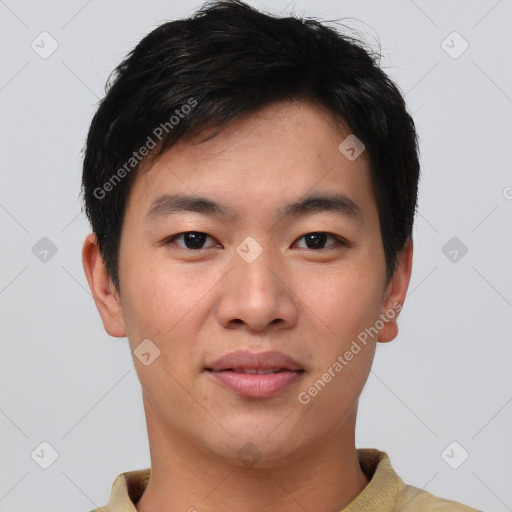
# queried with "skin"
point(197, 305)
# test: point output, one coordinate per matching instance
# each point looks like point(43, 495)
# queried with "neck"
point(325, 478)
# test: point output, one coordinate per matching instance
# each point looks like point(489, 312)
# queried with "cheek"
point(151, 301)
point(165, 304)
point(147, 290)
point(343, 302)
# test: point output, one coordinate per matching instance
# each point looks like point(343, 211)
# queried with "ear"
point(394, 295)
point(103, 291)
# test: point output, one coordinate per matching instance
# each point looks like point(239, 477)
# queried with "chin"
point(260, 446)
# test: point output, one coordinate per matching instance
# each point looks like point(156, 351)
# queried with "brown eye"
point(317, 240)
point(193, 240)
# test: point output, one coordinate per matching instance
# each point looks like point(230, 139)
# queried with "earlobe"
point(396, 291)
point(102, 289)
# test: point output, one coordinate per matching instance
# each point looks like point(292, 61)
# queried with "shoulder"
point(387, 491)
point(413, 499)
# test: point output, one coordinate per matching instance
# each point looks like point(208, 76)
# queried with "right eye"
point(192, 240)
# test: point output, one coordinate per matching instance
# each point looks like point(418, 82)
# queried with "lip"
point(245, 360)
point(228, 369)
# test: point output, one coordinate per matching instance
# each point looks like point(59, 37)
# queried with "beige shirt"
point(385, 492)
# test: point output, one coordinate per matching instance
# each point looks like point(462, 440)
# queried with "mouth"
point(256, 383)
point(255, 375)
point(255, 371)
point(258, 380)
point(244, 360)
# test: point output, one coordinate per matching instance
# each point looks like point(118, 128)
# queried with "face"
point(252, 273)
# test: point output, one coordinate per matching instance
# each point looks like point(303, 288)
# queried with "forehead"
point(279, 154)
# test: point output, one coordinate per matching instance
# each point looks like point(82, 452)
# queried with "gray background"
point(445, 378)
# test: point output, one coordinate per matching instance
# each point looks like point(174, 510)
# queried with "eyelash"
point(339, 241)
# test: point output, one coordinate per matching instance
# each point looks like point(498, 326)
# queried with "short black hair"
point(229, 59)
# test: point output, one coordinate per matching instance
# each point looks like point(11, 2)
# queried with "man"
point(251, 183)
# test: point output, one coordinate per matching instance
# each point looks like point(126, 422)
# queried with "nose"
point(258, 294)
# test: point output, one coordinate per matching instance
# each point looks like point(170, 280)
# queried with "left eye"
point(194, 240)
point(317, 239)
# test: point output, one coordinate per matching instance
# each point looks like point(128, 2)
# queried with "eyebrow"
point(169, 204)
